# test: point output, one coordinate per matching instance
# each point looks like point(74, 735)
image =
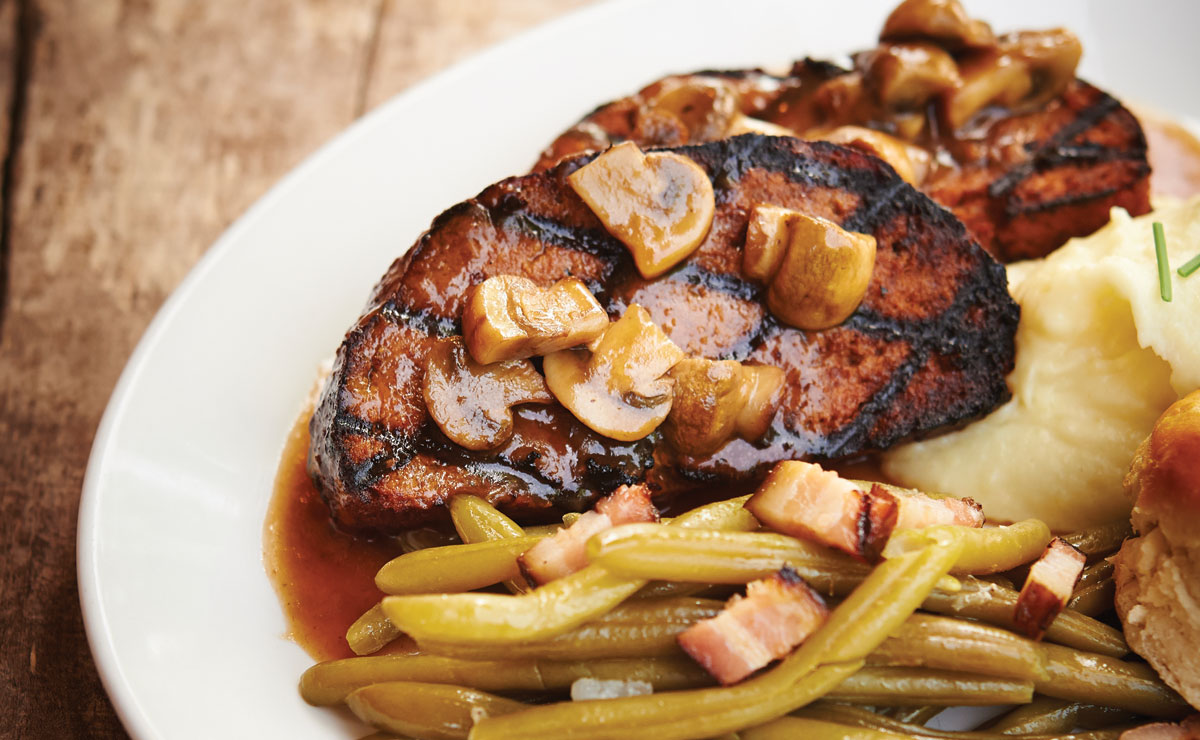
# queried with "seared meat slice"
point(1023, 183)
point(928, 347)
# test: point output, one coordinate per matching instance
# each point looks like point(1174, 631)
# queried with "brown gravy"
point(325, 578)
point(1174, 155)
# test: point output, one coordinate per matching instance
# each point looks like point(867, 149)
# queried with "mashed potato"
point(1099, 356)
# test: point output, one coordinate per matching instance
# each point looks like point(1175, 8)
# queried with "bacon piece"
point(775, 615)
point(918, 510)
point(1048, 587)
point(1186, 729)
point(565, 552)
point(801, 499)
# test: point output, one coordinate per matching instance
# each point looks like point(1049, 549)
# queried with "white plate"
point(183, 623)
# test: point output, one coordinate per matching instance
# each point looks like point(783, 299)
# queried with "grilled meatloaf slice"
point(1022, 182)
point(929, 346)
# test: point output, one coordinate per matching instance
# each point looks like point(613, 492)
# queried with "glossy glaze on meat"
point(928, 348)
point(1023, 183)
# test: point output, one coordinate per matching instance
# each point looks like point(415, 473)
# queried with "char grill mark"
point(1083, 154)
point(937, 315)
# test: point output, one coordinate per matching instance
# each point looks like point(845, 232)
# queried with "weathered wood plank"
point(149, 125)
point(418, 38)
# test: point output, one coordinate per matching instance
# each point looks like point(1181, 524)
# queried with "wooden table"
point(133, 134)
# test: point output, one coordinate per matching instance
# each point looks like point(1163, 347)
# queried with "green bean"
point(332, 681)
point(371, 631)
point(856, 627)
point(711, 556)
point(958, 645)
point(1095, 599)
point(453, 568)
point(1094, 590)
point(1096, 573)
point(477, 521)
point(730, 515)
point(790, 728)
point(542, 530)
point(483, 618)
point(985, 549)
point(1102, 540)
point(679, 715)
point(665, 589)
point(1097, 679)
point(552, 609)
point(1093, 717)
point(995, 604)
point(640, 628)
point(426, 710)
point(861, 718)
point(916, 686)
point(1043, 716)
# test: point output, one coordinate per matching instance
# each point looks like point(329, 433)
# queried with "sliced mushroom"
point(763, 392)
point(987, 79)
point(705, 106)
point(906, 76)
point(1051, 56)
point(508, 317)
point(767, 235)
point(472, 403)
point(817, 272)
point(716, 400)
point(942, 21)
point(910, 162)
point(621, 388)
point(660, 205)
point(743, 124)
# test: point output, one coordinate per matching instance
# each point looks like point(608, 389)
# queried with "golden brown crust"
point(1158, 573)
point(1164, 478)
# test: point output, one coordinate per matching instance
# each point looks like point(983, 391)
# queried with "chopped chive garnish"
point(1190, 266)
point(1164, 269)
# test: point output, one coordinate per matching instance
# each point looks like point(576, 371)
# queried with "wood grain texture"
point(144, 128)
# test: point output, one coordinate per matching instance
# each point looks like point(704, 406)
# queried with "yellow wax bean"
point(424, 710)
point(1097, 679)
point(919, 687)
point(985, 549)
point(332, 681)
point(371, 631)
point(476, 521)
point(453, 568)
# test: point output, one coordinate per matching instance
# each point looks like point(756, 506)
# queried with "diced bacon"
point(1049, 585)
point(775, 615)
point(801, 499)
point(565, 552)
point(1187, 729)
point(918, 510)
point(628, 504)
